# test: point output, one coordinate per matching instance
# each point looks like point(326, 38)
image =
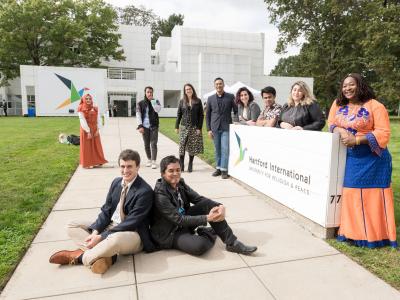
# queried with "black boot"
point(190, 167)
point(182, 162)
point(239, 247)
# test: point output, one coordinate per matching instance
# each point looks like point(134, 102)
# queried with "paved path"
point(290, 262)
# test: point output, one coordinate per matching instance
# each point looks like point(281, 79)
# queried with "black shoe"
point(239, 247)
point(224, 175)
point(217, 173)
point(207, 232)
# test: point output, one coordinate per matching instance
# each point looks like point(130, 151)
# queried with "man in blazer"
point(122, 227)
point(218, 117)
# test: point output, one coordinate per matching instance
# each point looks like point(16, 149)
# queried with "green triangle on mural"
point(74, 93)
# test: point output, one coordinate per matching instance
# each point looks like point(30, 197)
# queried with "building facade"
point(190, 55)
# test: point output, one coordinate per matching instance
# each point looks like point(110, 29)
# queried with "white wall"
point(136, 43)
point(50, 91)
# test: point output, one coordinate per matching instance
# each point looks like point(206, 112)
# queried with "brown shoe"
point(65, 257)
point(101, 265)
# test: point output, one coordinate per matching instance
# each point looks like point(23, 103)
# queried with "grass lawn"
point(384, 262)
point(34, 170)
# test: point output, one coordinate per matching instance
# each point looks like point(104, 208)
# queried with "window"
point(121, 73)
point(31, 101)
point(154, 60)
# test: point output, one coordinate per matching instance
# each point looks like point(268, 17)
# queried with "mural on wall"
point(75, 95)
point(59, 89)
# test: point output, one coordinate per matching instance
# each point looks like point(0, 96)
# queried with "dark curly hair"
point(251, 97)
point(363, 93)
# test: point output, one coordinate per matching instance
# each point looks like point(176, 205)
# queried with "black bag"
point(74, 139)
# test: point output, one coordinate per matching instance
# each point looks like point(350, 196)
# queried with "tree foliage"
point(56, 32)
point(164, 27)
point(140, 16)
point(340, 37)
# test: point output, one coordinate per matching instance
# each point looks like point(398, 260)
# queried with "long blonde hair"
point(308, 95)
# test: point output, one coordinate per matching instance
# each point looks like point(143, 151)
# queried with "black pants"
point(150, 138)
point(186, 241)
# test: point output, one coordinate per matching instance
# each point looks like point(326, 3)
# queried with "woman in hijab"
point(91, 151)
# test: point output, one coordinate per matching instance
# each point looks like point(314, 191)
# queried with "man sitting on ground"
point(175, 218)
point(122, 226)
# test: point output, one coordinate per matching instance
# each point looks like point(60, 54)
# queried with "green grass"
point(34, 170)
point(384, 262)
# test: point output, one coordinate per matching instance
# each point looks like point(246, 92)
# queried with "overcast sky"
point(235, 15)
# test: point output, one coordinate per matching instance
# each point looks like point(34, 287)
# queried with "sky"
point(233, 15)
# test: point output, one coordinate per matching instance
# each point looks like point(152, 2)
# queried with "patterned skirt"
point(190, 141)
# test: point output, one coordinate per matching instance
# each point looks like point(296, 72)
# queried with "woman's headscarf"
point(83, 106)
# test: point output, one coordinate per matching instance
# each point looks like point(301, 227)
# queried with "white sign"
point(303, 170)
point(59, 89)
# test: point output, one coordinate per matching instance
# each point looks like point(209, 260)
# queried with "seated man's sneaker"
point(101, 265)
point(216, 173)
point(66, 257)
point(239, 247)
point(224, 175)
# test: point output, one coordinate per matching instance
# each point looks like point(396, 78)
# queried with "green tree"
point(164, 27)
point(132, 15)
point(141, 16)
point(56, 32)
point(340, 37)
point(327, 53)
point(382, 50)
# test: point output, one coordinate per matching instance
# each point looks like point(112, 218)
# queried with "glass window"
point(121, 73)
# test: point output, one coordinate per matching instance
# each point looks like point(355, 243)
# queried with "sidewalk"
point(290, 262)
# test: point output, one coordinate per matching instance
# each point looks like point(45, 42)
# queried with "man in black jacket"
point(175, 219)
point(218, 117)
point(122, 227)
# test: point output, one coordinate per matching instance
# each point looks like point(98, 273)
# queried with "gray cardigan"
point(252, 114)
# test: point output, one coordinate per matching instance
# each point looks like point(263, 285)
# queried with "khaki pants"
point(124, 242)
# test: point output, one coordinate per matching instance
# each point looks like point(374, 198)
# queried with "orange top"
point(369, 117)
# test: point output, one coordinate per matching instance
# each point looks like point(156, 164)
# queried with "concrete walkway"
point(290, 262)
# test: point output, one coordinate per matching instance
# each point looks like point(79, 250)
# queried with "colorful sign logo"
point(241, 150)
point(75, 95)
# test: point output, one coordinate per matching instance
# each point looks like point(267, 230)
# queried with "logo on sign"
point(75, 95)
point(242, 151)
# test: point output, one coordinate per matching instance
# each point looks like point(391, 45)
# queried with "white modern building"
point(191, 55)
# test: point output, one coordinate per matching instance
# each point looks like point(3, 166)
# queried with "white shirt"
point(116, 217)
point(85, 125)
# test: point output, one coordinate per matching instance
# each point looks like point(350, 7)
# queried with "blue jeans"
point(221, 144)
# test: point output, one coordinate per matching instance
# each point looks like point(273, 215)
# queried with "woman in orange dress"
point(91, 151)
point(367, 215)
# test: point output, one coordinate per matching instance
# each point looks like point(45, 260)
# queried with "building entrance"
point(122, 108)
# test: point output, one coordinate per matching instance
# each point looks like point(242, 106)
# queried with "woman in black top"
point(190, 117)
point(302, 111)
